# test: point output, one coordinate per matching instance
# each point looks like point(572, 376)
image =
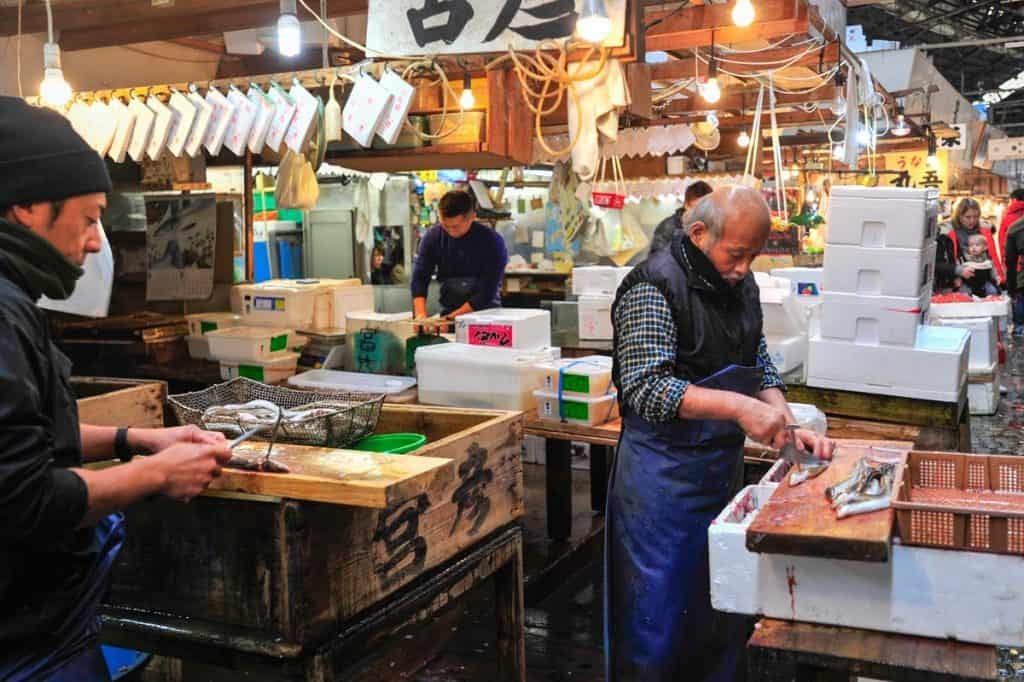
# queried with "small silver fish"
point(801, 473)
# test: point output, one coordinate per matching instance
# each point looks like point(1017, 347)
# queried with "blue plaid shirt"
point(647, 356)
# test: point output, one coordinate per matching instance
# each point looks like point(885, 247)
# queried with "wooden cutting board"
point(800, 520)
point(345, 477)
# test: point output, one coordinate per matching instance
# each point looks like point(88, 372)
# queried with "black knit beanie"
point(42, 158)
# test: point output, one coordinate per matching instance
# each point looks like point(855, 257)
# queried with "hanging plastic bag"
point(296, 183)
point(610, 197)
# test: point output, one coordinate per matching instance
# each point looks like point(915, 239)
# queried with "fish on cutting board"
point(867, 489)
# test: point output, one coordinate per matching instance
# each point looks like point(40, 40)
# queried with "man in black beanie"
point(60, 529)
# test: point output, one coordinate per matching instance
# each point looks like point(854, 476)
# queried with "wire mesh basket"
point(961, 501)
point(349, 417)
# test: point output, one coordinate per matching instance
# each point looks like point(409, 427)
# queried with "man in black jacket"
point(668, 227)
point(60, 529)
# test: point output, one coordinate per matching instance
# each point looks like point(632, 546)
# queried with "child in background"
point(976, 272)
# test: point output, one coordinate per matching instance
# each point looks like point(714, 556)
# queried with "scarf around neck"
point(44, 269)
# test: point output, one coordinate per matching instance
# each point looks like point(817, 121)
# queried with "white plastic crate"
point(782, 313)
point(967, 596)
point(376, 342)
point(598, 279)
point(787, 352)
point(586, 376)
point(984, 339)
point(804, 281)
point(873, 320)
point(240, 344)
point(595, 317)
point(202, 323)
point(934, 368)
point(460, 375)
point(198, 347)
point(588, 411)
point(878, 272)
point(983, 390)
point(521, 328)
point(295, 304)
point(272, 371)
point(883, 217)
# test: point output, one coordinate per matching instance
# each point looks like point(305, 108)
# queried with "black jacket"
point(945, 263)
point(1014, 252)
point(44, 556)
point(665, 231)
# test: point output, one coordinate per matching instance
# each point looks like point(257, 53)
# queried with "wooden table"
point(781, 651)
point(364, 647)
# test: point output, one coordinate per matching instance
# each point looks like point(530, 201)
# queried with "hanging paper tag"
point(284, 111)
point(240, 125)
point(125, 126)
point(186, 116)
point(364, 109)
point(219, 120)
point(401, 99)
point(161, 127)
point(306, 106)
point(204, 112)
point(261, 125)
point(79, 116)
point(102, 128)
point(144, 119)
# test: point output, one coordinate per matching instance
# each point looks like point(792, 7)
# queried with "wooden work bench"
point(782, 651)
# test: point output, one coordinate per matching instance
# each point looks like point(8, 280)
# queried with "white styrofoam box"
point(201, 323)
point(805, 281)
point(989, 308)
point(983, 390)
point(598, 279)
point(587, 376)
point(775, 473)
point(595, 317)
point(240, 344)
point(352, 382)
point(272, 371)
point(787, 352)
point(460, 375)
point(934, 368)
point(873, 320)
point(376, 343)
point(984, 339)
point(883, 217)
point(297, 304)
point(782, 314)
point(588, 411)
point(522, 328)
point(198, 347)
point(534, 449)
point(349, 299)
point(967, 596)
point(878, 272)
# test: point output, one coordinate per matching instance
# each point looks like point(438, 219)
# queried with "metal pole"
point(979, 42)
point(247, 203)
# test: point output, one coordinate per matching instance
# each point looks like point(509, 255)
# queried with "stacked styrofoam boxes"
point(200, 324)
point(306, 304)
point(493, 362)
point(879, 262)
point(595, 288)
point(785, 324)
point(578, 391)
point(983, 370)
point(261, 353)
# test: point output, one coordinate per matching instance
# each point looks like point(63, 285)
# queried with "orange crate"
point(960, 501)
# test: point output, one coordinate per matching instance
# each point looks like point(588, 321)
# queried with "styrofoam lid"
point(906, 193)
point(282, 360)
point(486, 355)
point(589, 365)
point(943, 339)
point(250, 332)
point(370, 316)
point(213, 316)
point(335, 380)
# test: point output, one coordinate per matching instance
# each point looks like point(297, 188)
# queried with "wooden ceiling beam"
point(735, 100)
point(822, 60)
point(702, 25)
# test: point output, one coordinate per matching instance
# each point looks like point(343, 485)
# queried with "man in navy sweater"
point(468, 257)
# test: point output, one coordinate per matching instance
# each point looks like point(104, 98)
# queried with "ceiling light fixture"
point(466, 100)
point(743, 13)
point(743, 140)
point(54, 91)
point(289, 32)
point(900, 128)
point(594, 26)
point(711, 91)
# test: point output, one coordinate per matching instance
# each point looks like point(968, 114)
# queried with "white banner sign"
point(417, 27)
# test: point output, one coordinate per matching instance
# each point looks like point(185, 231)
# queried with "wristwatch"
point(121, 449)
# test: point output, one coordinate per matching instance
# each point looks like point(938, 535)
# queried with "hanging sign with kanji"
point(418, 27)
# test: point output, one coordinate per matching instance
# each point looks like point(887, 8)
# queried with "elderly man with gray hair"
point(694, 376)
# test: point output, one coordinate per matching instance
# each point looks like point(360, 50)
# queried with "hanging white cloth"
point(364, 218)
point(596, 120)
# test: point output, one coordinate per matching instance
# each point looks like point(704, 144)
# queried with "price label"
point(499, 335)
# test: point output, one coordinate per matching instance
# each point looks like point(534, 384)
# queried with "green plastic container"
point(391, 443)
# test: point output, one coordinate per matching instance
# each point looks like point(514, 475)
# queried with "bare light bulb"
point(809, 197)
point(466, 99)
point(933, 162)
point(743, 13)
point(594, 26)
point(711, 92)
point(289, 32)
point(863, 138)
point(54, 91)
point(901, 129)
point(743, 140)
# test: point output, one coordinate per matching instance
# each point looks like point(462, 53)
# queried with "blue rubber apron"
point(668, 483)
point(76, 656)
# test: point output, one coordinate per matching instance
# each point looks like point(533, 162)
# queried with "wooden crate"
point(291, 571)
point(120, 402)
point(959, 501)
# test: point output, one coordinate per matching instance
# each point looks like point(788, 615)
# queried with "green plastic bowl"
point(391, 443)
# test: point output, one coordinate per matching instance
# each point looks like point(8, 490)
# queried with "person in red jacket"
point(1014, 212)
point(966, 221)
